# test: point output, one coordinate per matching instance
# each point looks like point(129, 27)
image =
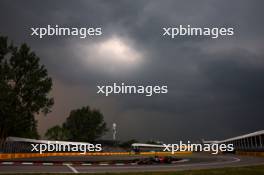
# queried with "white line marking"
point(27, 163)
point(66, 163)
point(185, 165)
point(180, 161)
point(233, 160)
point(86, 164)
point(119, 164)
point(71, 168)
point(103, 164)
point(212, 163)
point(47, 163)
point(7, 163)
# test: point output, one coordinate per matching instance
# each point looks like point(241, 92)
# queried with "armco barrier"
point(29, 155)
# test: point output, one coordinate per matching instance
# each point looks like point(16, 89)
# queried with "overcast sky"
point(216, 86)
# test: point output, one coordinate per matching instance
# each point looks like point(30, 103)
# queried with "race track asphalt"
point(195, 161)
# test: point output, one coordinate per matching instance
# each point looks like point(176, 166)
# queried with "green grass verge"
point(249, 170)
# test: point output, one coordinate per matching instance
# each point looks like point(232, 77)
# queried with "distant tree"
point(151, 142)
point(127, 144)
point(56, 133)
point(24, 90)
point(85, 125)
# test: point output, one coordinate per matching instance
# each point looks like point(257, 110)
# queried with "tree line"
point(25, 88)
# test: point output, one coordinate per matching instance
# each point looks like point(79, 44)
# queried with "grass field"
point(250, 170)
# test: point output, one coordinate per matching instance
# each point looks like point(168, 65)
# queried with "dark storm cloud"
point(215, 85)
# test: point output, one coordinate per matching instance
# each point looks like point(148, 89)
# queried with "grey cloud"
point(211, 81)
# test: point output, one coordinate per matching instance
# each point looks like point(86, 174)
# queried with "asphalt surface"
point(195, 161)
